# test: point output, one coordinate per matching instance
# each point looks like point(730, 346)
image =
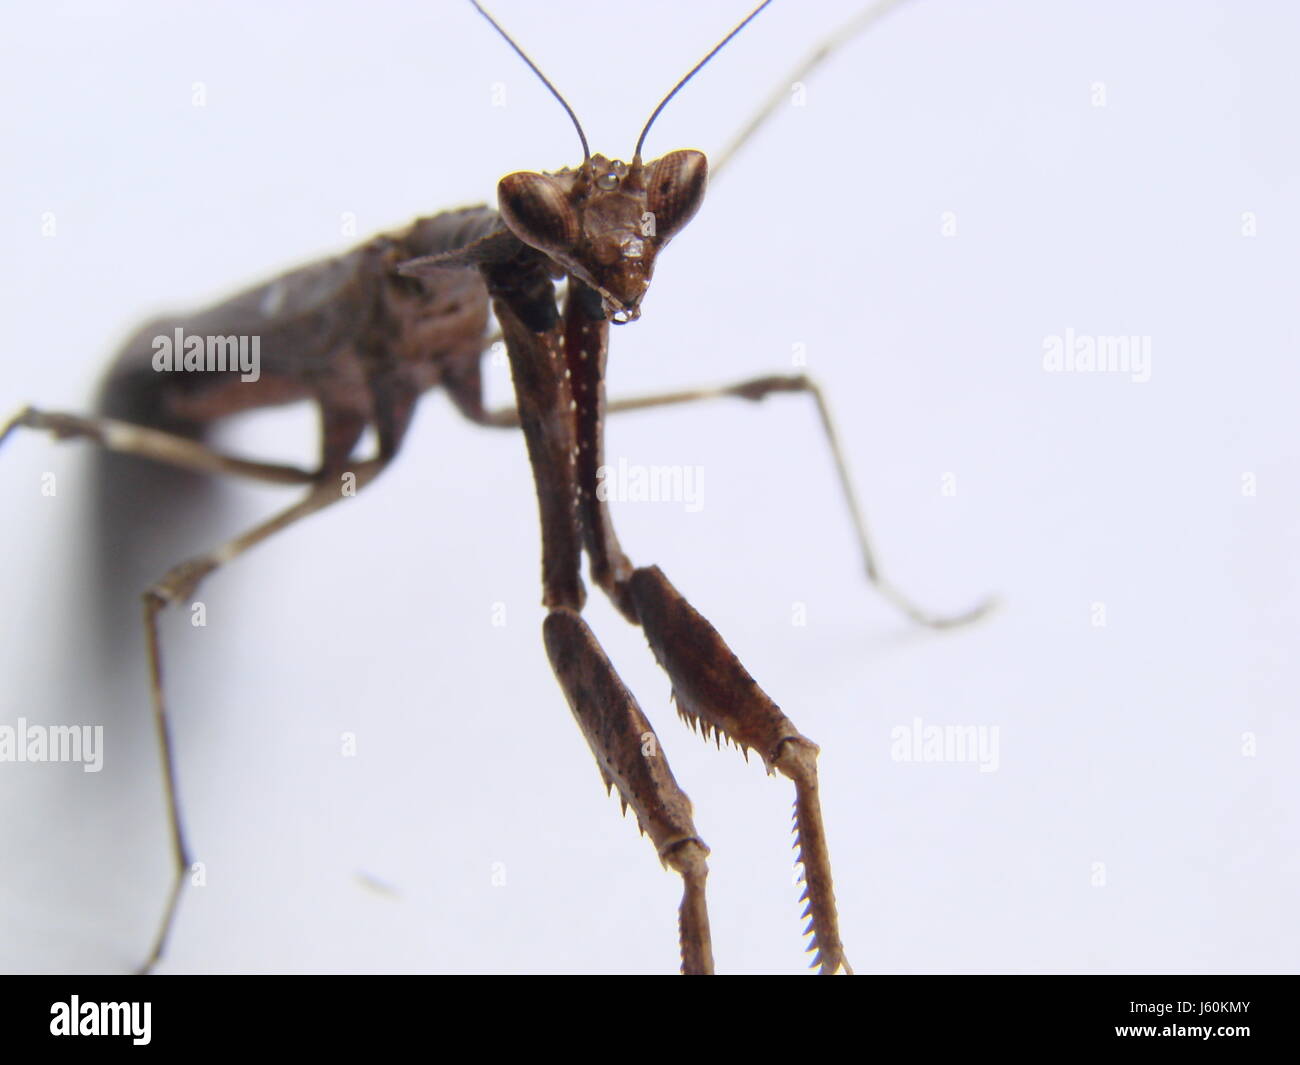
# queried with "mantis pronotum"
point(644, 597)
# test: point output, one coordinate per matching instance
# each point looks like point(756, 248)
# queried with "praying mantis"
point(674, 193)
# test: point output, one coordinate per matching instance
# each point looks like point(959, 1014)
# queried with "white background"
point(1120, 745)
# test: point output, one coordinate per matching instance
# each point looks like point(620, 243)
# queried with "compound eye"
point(537, 211)
point(675, 189)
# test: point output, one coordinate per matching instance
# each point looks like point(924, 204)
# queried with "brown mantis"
point(365, 336)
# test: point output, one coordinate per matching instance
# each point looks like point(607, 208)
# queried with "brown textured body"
point(350, 334)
